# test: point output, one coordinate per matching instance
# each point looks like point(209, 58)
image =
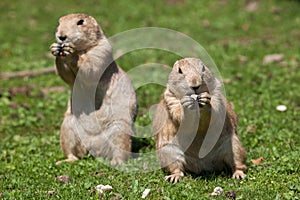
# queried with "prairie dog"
point(193, 108)
point(102, 108)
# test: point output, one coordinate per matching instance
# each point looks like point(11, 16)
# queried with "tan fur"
point(104, 128)
point(174, 117)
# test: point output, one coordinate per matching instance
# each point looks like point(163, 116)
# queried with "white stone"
point(281, 108)
point(145, 193)
point(217, 191)
point(101, 188)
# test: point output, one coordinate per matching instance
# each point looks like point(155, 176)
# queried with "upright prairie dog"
point(102, 108)
point(193, 100)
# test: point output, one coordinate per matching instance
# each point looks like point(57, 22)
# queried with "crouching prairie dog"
point(102, 108)
point(195, 126)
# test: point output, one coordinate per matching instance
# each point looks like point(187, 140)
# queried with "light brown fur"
point(102, 108)
point(178, 113)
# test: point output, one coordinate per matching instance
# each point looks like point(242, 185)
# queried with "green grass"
point(30, 120)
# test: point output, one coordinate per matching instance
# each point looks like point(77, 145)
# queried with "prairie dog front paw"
point(55, 49)
point(174, 178)
point(204, 99)
point(62, 49)
point(238, 174)
point(188, 102)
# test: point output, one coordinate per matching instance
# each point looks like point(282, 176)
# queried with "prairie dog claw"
point(202, 99)
point(238, 174)
point(174, 178)
point(188, 102)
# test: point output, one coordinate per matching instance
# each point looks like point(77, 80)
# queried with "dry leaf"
point(275, 10)
point(283, 64)
point(266, 165)
point(257, 161)
point(251, 128)
point(205, 23)
point(223, 2)
point(273, 58)
point(102, 188)
point(251, 6)
point(246, 27)
point(145, 166)
point(63, 179)
point(243, 59)
point(23, 90)
point(97, 172)
point(231, 195)
point(227, 80)
point(51, 192)
point(174, 2)
point(47, 90)
point(13, 105)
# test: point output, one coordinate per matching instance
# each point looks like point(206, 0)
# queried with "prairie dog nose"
point(62, 38)
point(195, 88)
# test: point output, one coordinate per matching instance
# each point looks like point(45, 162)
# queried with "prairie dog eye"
point(80, 22)
point(179, 70)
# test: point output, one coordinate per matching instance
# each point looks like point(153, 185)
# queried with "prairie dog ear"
point(175, 66)
point(176, 63)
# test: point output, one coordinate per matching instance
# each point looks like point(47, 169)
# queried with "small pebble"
point(257, 161)
point(51, 192)
point(281, 108)
point(63, 179)
point(231, 195)
point(102, 188)
point(145, 193)
point(273, 58)
point(217, 191)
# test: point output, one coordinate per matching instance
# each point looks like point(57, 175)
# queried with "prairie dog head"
point(190, 76)
point(81, 30)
